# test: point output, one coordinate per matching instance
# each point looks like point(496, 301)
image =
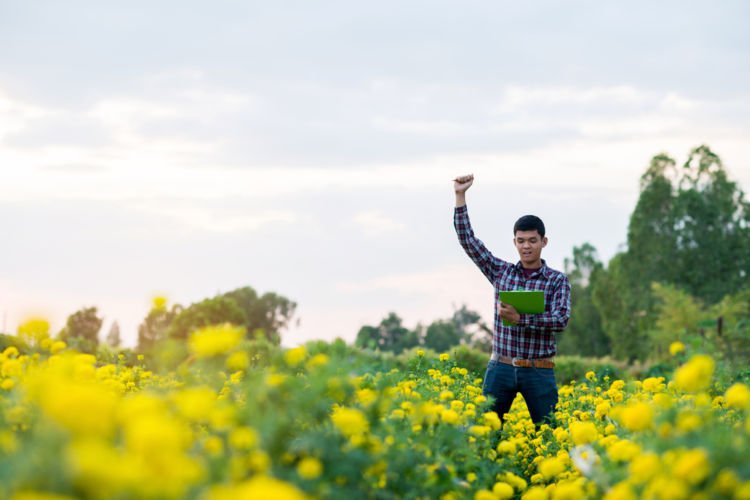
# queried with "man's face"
point(529, 245)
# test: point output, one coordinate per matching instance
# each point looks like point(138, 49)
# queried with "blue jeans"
point(536, 385)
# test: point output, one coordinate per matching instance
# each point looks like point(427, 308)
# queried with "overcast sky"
point(307, 148)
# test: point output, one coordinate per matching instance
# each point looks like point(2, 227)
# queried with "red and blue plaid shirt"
point(534, 335)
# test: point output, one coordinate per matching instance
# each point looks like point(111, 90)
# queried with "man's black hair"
point(529, 223)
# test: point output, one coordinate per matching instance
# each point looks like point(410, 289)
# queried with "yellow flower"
point(34, 330)
point(159, 303)
point(479, 430)
point(57, 346)
point(484, 494)
point(644, 467)
point(350, 421)
point(692, 466)
point(502, 490)
point(449, 417)
point(243, 438)
point(195, 403)
point(506, 447)
point(420, 353)
point(623, 451)
point(676, 347)
point(551, 467)
point(590, 376)
point(637, 416)
point(654, 384)
point(620, 491)
point(535, 493)
point(567, 491)
point(7, 384)
point(215, 340)
point(491, 419)
point(695, 375)
point(583, 432)
point(446, 395)
point(444, 357)
point(238, 361)
point(688, 421)
point(310, 468)
point(257, 487)
point(316, 361)
point(738, 396)
point(294, 357)
point(726, 482)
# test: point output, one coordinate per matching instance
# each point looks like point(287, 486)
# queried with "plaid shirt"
point(534, 335)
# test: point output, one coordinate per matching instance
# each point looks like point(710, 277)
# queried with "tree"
point(691, 229)
point(113, 337)
point(713, 219)
point(441, 335)
point(270, 312)
point(214, 311)
point(389, 335)
point(584, 334)
point(153, 328)
point(82, 329)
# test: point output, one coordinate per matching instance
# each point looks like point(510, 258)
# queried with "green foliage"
point(81, 330)
point(270, 312)
point(213, 311)
point(7, 340)
point(154, 327)
point(690, 229)
point(442, 335)
point(570, 368)
point(389, 335)
point(584, 335)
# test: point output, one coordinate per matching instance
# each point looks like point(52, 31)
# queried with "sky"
point(305, 148)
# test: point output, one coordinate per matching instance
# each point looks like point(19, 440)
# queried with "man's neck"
point(535, 265)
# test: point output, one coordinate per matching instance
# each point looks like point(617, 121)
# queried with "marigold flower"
point(738, 396)
point(637, 416)
point(215, 340)
point(676, 348)
point(551, 467)
point(295, 356)
point(350, 421)
point(583, 432)
point(502, 490)
point(310, 468)
point(695, 375)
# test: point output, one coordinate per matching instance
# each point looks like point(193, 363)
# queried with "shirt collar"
point(544, 270)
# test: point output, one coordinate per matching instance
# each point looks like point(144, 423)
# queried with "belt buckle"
point(513, 362)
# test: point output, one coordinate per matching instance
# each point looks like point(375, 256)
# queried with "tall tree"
point(213, 311)
point(713, 222)
point(154, 326)
point(584, 334)
point(82, 329)
point(269, 312)
point(113, 337)
point(690, 228)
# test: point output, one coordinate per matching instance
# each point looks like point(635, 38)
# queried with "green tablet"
point(525, 301)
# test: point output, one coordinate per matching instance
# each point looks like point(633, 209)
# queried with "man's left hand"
point(509, 313)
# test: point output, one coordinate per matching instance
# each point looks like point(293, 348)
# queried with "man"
point(522, 353)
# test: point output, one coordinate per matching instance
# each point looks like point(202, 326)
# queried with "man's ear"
point(544, 242)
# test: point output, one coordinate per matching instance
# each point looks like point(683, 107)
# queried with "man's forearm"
point(460, 199)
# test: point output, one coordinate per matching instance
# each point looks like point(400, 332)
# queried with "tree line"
point(261, 315)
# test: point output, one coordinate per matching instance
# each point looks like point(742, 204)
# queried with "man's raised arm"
point(474, 248)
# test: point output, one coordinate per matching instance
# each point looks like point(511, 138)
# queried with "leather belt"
point(524, 363)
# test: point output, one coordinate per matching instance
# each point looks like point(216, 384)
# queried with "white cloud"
point(374, 223)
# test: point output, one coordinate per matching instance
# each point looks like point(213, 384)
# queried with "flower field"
point(315, 422)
